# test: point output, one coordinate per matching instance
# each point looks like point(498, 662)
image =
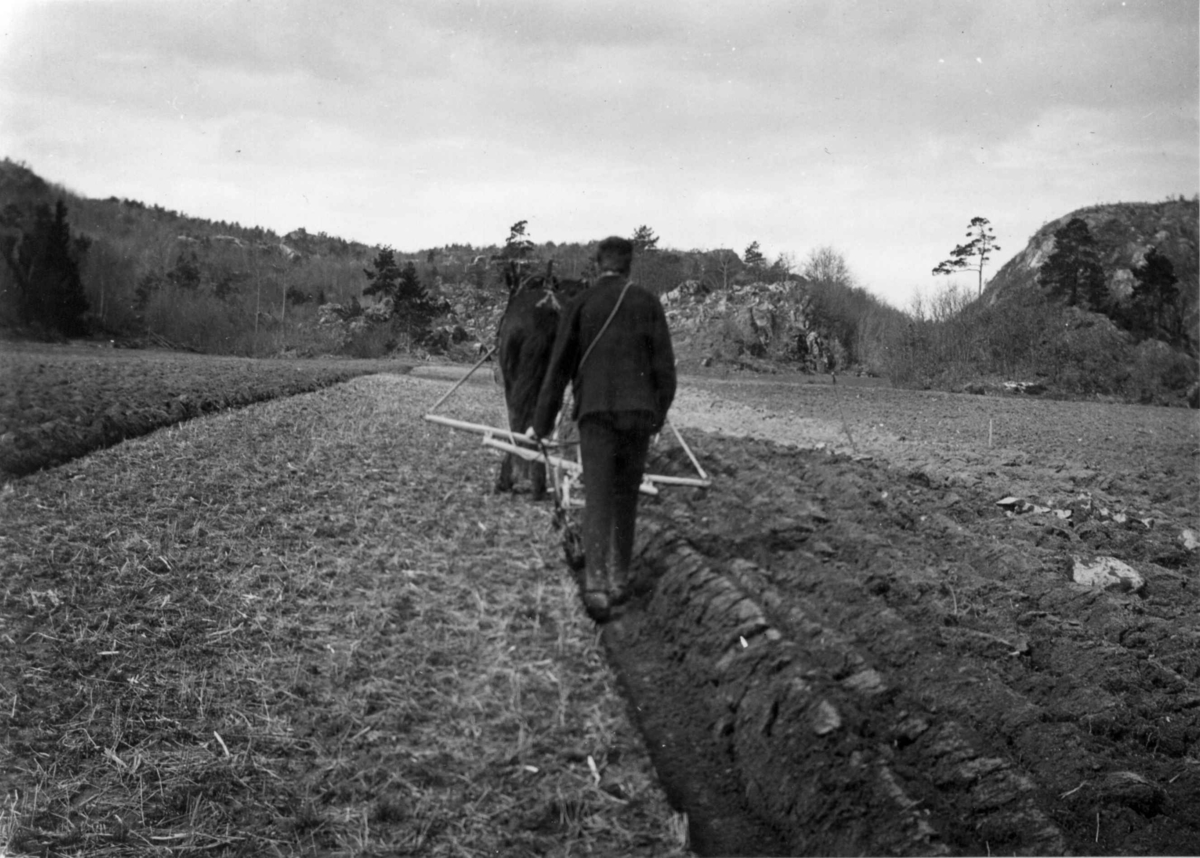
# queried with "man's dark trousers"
point(613, 446)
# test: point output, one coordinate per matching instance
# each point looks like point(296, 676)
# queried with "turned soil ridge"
point(848, 643)
point(844, 674)
point(832, 761)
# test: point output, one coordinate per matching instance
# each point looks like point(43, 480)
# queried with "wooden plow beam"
point(508, 441)
point(482, 429)
point(575, 469)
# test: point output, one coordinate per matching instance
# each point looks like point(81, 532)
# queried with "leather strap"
point(604, 327)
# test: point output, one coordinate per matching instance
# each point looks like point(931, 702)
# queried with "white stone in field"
point(1107, 573)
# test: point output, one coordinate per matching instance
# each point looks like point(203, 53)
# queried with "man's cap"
point(614, 245)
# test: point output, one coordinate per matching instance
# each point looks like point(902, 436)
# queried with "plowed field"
point(866, 636)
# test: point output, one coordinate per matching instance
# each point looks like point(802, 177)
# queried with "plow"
point(560, 453)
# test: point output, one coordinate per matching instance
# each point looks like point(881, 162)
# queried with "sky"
point(876, 128)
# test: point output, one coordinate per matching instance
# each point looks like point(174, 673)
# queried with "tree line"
point(120, 267)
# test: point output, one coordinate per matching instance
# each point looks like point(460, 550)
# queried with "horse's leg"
point(504, 480)
point(537, 476)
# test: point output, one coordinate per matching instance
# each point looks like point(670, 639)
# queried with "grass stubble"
point(306, 627)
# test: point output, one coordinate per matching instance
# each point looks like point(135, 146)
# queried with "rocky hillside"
point(1109, 341)
point(1124, 232)
point(762, 327)
point(752, 326)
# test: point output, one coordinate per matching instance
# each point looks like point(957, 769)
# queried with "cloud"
point(878, 127)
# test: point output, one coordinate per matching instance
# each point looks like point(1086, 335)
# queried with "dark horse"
point(525, 338)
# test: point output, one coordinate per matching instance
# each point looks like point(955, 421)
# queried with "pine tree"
point(409, 289)
point(1153, 304)
point(753, 257)
point(1073, 270)
point(44, 261)
point(980, 247)
point(412, 309)
point(644, 239)
point(384, 276)
point(518, 246)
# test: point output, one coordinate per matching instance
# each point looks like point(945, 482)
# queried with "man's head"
point(615, 254)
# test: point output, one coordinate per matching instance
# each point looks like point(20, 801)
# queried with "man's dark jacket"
point(631, 367)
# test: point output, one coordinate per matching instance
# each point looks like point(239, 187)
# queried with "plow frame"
point(565, 472)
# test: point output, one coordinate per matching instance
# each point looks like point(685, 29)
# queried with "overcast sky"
point(880, 128)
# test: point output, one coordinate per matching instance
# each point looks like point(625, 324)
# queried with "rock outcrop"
point(755, 325)
point(1125, 232)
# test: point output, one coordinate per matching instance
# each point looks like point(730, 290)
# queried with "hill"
point(218, 287)
point(150, 274)
point(1124, 233)
point(1104, 343)
point(150, 271)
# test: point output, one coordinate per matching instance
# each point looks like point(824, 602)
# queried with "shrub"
point(370, 340)
point(1159, 374)
point(1088, 354)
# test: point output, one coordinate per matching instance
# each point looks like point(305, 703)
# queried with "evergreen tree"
point(644, 239)
point(518, 247)
point(753, 257)
point(1153, 304)
point(1073, 271)
point(44, 261)
point(409, 289)
point(412, 309)
point(980, 247)
point(384, 276)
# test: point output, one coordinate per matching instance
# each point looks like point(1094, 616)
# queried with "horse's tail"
point(508, 359)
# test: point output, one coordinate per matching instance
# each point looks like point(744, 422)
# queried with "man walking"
point(613, 344)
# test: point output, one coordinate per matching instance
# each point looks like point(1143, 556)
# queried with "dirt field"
point(848, 644)
point(60, 402)
point(305, 627)
point(866, 636)
point(891, 663)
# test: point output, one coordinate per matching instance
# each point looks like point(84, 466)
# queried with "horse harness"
point(604, 327)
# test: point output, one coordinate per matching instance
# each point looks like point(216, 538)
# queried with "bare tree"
point(827, 265)
point(783, 267)
point(726, 260)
